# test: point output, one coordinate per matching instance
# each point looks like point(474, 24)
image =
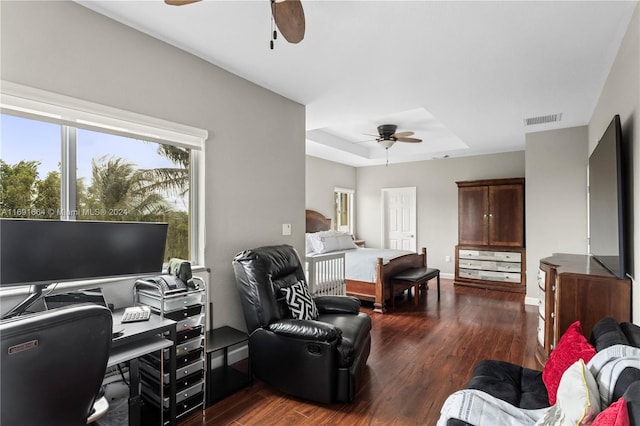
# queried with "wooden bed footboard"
point(378, 292)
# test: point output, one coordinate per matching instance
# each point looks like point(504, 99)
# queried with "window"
point(91, 162)
point(343, 210)
point(29, 168)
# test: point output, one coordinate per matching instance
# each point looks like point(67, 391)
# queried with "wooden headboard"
point(317, 222)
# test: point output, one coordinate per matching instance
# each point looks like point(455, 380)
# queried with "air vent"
point(551, 118)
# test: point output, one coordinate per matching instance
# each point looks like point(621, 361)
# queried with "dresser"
point(573, 288)
point(490, 251)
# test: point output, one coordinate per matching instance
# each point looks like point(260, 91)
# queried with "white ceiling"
point(461, 75)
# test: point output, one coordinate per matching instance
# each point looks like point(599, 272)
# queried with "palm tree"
point(117, 185)
point(169, 180)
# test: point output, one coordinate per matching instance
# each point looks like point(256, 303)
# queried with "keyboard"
point(136, 313)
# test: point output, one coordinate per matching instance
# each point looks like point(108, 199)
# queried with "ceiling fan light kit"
point(386, 143)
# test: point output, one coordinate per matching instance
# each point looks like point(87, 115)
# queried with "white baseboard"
point(534, 301)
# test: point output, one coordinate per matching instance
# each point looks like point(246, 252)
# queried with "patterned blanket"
point(481, 409)
point(607, 365)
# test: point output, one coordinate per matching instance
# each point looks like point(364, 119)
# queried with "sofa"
point(523, 394)
point(309, 347)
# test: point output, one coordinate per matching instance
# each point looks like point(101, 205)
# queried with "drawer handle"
point(553, 314)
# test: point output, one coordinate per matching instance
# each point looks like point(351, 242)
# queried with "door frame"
point(383, 192)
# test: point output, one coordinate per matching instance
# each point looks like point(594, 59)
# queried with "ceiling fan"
point(287, 14)
point(388, 136)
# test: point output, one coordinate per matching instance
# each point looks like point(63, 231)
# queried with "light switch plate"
point(286, 229)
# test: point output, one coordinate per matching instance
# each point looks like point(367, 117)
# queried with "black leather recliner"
point(319, 360)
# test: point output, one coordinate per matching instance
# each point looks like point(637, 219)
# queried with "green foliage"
point(118, 192)
point(18, 186)
point(48, 198)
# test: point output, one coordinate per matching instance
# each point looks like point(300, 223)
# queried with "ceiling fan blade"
point(412, 140)
point(289, 17)
point(401, 134)
point(179, 2)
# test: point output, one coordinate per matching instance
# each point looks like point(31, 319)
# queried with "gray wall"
point(437, 198)
point(556, 197)
point(621, 95)
point(255, 153)
point(322, 177)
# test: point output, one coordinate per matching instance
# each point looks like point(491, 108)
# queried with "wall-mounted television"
point(607, 201)
point(41, 252)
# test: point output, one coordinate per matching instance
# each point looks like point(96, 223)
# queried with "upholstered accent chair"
point(317, 359)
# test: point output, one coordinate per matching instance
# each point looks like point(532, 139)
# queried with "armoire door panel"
point(473, 203)
point(506, 212)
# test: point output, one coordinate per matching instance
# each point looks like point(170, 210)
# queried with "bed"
point(367, 271)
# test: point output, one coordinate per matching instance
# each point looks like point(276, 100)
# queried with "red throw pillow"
point(571, 347)
point(615, 415)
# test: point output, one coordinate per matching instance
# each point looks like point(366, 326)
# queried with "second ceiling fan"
point(388, 136)
point(287, 14)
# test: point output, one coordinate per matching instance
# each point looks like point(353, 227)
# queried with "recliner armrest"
point(337, 304)
point(305, 329)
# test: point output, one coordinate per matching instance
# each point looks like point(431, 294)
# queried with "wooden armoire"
point(491, 238)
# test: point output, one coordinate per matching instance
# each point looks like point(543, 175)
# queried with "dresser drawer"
point(541, 331)
point(489, 275)
point(499, 256)
point(542, 300)
point(489, 265)
point(542, 279)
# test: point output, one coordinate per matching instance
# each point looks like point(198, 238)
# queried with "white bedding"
point(360, 263)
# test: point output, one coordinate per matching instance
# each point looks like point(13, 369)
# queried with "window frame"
point(71, 114)
point(350, 205)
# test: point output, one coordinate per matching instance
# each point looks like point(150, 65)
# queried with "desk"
point(136, 340)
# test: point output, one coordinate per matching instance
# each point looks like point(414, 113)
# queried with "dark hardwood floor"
point(418, 357)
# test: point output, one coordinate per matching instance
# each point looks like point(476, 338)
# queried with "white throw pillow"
point(577, 401)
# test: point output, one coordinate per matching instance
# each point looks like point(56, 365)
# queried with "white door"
point(399, 218)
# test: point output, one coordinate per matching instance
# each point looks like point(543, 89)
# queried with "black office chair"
point(52, 365)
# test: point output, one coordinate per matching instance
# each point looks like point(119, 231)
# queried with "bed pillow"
point(615, 415)
point(571, 347)
point(308, 243)
point(300, 302)
point(578, 399)
point(327, 242)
